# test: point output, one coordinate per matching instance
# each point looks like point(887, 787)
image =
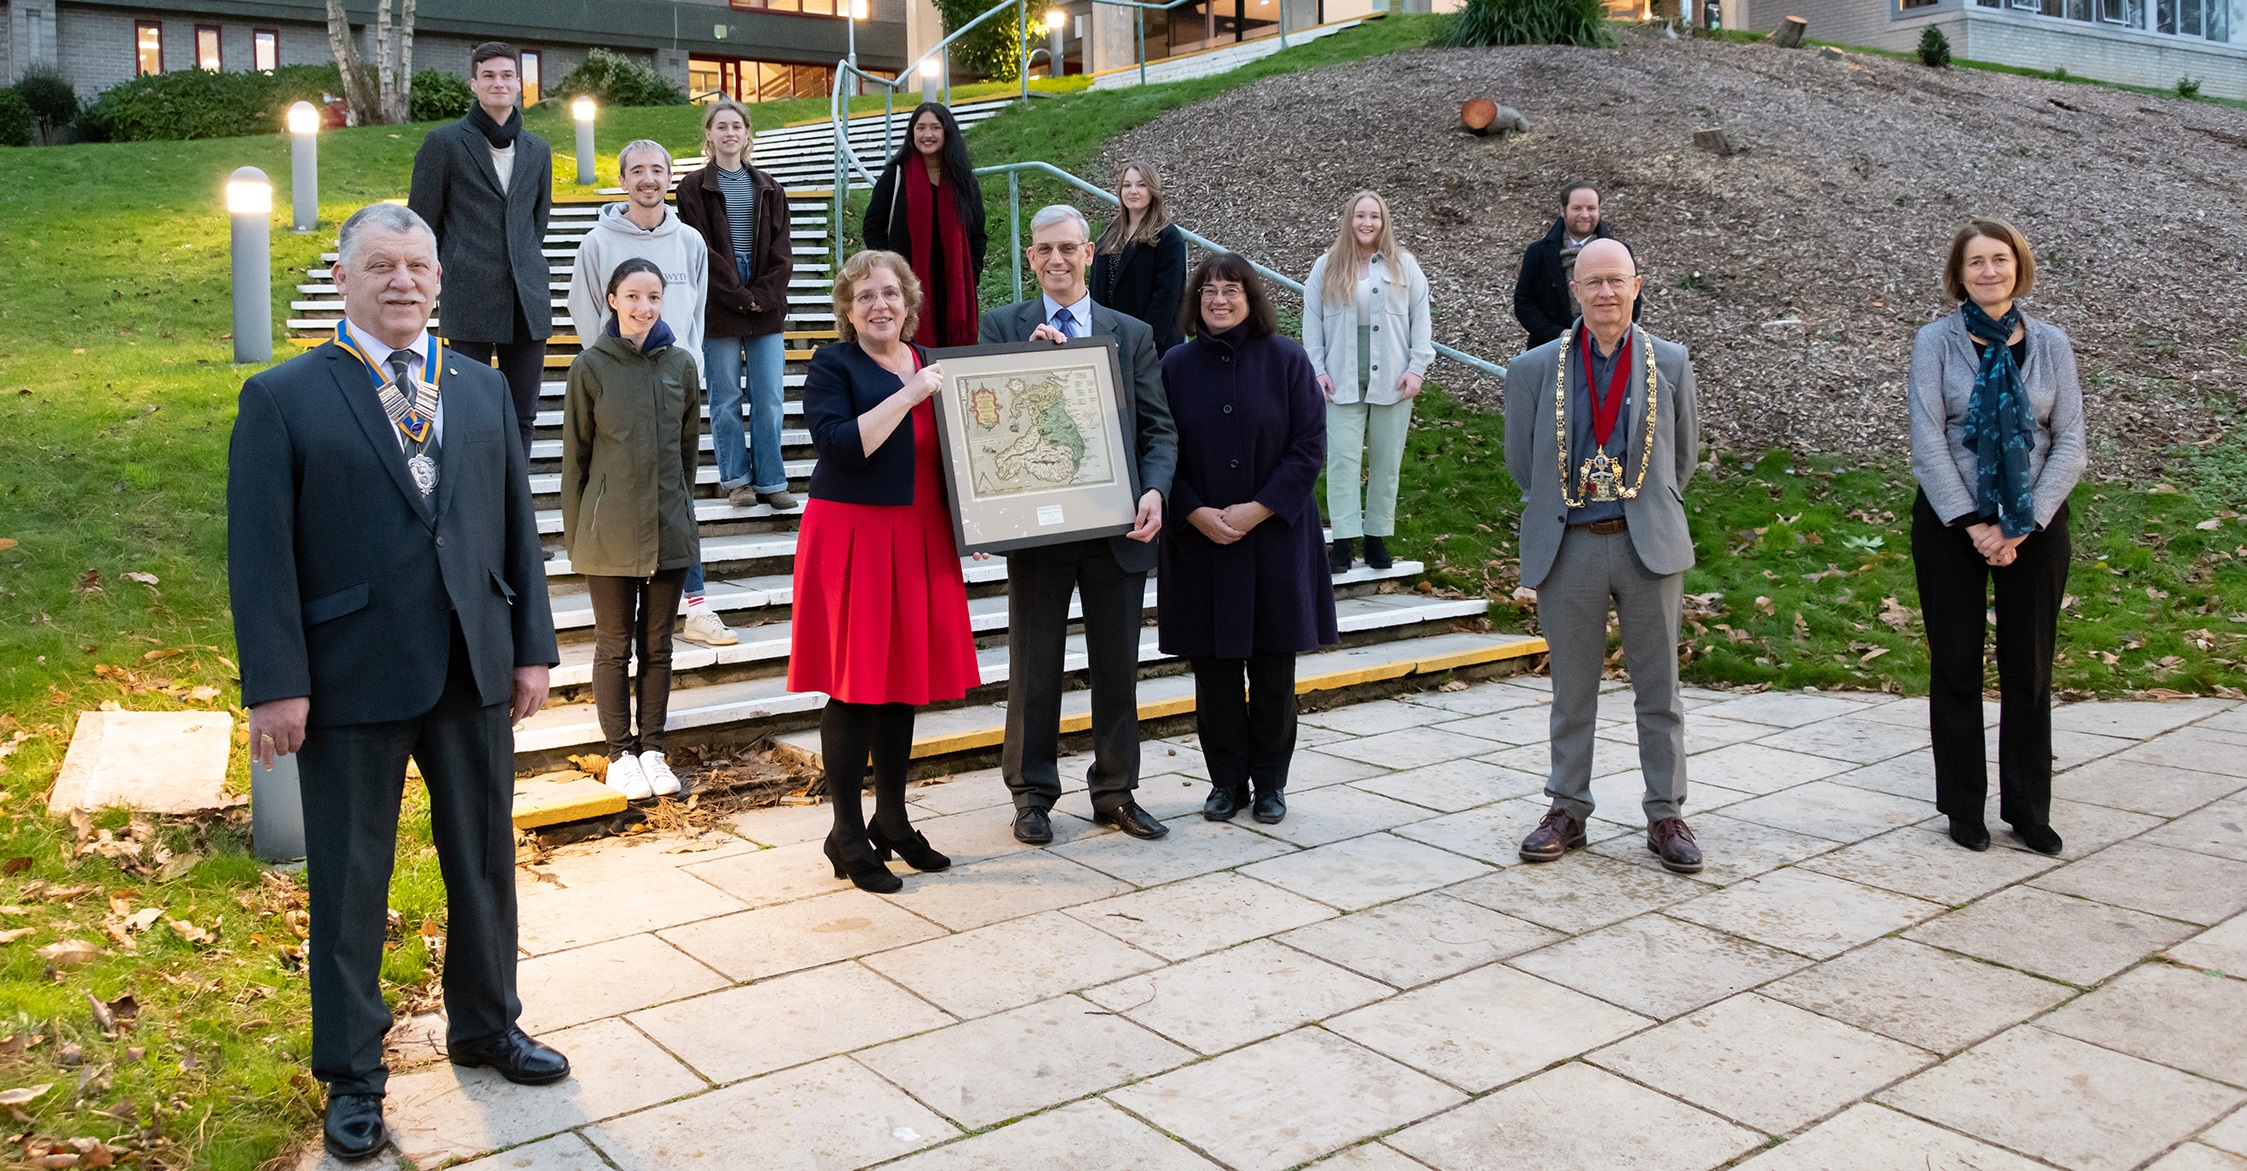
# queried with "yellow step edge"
point(542, 801)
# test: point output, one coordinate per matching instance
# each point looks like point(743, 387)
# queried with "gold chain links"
point(1560, 419)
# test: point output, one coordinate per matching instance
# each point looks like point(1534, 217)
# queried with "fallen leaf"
point(16, 865)
point(1872, 654)
point(2211, 524)
point(1765, 605)
point(152, 656)
point(189, 932)
point(143, 919)
point(88, 582)
point(15, 933)
point(7, 543)
point(69, 953)
point(178, 866)
point(27, 1094)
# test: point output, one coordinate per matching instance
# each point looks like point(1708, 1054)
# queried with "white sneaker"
point(662, 782)
point(627, 777)
point(704, 626)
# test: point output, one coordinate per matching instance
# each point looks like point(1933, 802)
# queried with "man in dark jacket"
point(1542, 302)
point(389, 601)
point(484, 185)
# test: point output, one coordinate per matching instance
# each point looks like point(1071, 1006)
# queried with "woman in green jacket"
point(631, 427)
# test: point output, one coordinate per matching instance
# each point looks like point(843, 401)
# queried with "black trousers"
point(1955, 584)
point(352, 778)
point(632, 618)
point(1038, 585)
point(522, 362)
point(1246, 740)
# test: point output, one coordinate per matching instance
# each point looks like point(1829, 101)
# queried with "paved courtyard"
point(1379, 984)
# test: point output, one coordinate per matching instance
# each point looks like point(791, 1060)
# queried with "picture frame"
point(1039, 443)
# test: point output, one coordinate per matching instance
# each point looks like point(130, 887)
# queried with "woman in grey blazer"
point(1997, 445)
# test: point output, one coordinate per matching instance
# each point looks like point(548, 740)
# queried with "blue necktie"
point(1065, 321)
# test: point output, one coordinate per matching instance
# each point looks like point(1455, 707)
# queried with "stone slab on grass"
point(153, 762)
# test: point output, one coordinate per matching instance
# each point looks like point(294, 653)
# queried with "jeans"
point(751, 459)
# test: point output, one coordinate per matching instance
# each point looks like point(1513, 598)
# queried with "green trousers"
point(1364, 444)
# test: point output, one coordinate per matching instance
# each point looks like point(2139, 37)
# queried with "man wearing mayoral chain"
point(1602, 431)
point(390, 602)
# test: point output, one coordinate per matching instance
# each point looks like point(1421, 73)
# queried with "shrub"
point(993, 50)
point(2059, 73)
point(2188, 87)
point(1527, 22)
point(197, 103)
point(616, 80)
point(438, 96)
point(53, 103)
point(16, 119)
point(1934, 48)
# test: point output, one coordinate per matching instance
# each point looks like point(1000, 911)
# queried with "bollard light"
point(930, 67)
point(582, 109)
point(249, 204)
point(304, 166)
point(1056, 22)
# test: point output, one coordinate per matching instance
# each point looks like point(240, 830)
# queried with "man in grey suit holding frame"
point(1108, 575)
point(1602, 432)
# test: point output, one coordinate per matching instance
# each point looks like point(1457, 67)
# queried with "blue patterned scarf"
point(1999, 430)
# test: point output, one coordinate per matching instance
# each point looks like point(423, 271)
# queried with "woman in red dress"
point(880, 620)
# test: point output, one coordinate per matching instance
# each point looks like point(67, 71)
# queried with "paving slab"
point(2064, 1101)
point(1521, 725)
point(2086, 829)
point(2054, 935)
point(961, 792)
point(1245, 1107)
point(2198, 1157)
point(1041, 956)
point(1454, 785)
point(1009, 887)
point(1493, 833)
point(1806, 912)
point(565, 988)
point(1760, 768)
point(1762, 1063)
point(1480, 699)
point(1185, 919)
point(1732, 850)
point(1408, 748)
point(2220, 829)
point(1927, 864)
point(1193, 847)
point(2156, 879)
point(2143, 786)
point(2222, 948)
point(1367, 1157)
point(1702, 733)
point(981, 834)
point(988, 1070)
point(557, 916)
point(1488, 1027)
point(752, 945)
point(2228, 1135)
point(1919, 995)
point(1850, 738)
point(154, 762)
point(1575, 1116)
point(2133, 719)
point(1866, 1137)
point(769, 876)
point(2199, 749)
point(1829, 809)
point(1312, 769)
point(788, 1020)
point(1230, 998)
point(1377, 716)
point(1581, 892)
point(780, 825)
point(2185, 1019)
point(563, 1152)
point(1787, 709)
point(831, 1114)
point(1619, 798)
point(1336, 812)
point(1358, 873)
point(1909, 775)
point(1658, 966)
point(1412, 941)
point(1082, 1136)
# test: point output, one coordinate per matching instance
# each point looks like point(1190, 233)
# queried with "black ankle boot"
point(1971, 834)
point(1338, 555)
point(1377, 553)
point(857, 863)
point(913, 847)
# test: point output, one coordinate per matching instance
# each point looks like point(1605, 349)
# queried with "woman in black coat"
point(1243, 583)
point(1139, 263)
point(928, 208)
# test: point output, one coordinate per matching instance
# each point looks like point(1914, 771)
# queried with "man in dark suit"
point(1544, 302)
point(1108, 575)
point(390, 602)
point(485, 186)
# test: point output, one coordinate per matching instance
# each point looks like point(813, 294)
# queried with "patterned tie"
point(1065, 321)
point(397, 364)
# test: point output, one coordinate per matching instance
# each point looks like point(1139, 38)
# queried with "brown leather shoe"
point(1672, 841)
point(1556, 835)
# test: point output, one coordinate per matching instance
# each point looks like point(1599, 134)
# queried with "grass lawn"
point(117, 395)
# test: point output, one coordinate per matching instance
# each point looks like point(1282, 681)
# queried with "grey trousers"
point(1589, 572)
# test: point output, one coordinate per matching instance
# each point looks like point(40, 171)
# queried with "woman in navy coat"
point(1244, 585)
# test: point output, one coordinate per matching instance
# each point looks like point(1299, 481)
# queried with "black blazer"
point(886, 224)
point(345, 580)
point(1541, 299)
point(1155, 435)
point(1145, 282)
point(842, 384)
point(493, 245)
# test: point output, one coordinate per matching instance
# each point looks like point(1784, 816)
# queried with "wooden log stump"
point(1481, 116)
point(1713, 141)
point(1789, 32)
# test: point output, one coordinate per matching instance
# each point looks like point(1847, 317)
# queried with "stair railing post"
point(1014, 225)
point(1140, 14)
point(1022, 49)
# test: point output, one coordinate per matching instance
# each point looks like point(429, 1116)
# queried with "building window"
point(265, 50)
point(206, 48)
point(711, 78)
point(531, 75)
point(804, 7)
point(148, 47)
point(1908, 5)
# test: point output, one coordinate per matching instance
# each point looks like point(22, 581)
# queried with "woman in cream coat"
point(1365, 324)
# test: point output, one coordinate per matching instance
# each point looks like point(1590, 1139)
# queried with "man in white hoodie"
point(646, 227)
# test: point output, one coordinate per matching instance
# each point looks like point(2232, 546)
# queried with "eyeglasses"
point(1596, 283)
point(1067, 251)
point(1222, 292)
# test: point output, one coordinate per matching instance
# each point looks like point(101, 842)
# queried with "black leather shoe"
point(1971, 834)
point(353, 1130)
point(1338, 555)
point(1270, 808)
point(1377, 553)
point(913, 847)
point(1554, 836)
point(2040, 838)
point(1133, 820)
point(1223, 803)
point(1673, 843)
point(858, 863)
point(514, 1056)
point(1033, 826)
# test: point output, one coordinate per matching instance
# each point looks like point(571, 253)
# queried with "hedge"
point(199, 103)
point(438, 96)
point(615, 80)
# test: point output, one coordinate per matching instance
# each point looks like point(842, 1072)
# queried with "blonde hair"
point(862, 265)
point(711, 115)
point(1340, 283)
point(2024, 261)
point(1114, 236)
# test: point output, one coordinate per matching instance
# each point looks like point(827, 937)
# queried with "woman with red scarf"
point(928, 208)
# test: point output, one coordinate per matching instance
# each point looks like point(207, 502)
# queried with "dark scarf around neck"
point(500, 134)
point(1999, 429)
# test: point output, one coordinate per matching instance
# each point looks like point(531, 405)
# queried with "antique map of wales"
point(1034, 433)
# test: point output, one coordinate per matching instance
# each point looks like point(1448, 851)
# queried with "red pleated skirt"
point(880, 608)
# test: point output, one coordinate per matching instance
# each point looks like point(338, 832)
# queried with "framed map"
point(1038, 443)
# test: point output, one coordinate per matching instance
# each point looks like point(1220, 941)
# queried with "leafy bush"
point(993, 50)
point(197, 103)
point(616, 80)
point(1527, 22)
point(2188, 87)
point(1934, 48)
point(16, 119)
point(53, 103)
point(438, 97)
